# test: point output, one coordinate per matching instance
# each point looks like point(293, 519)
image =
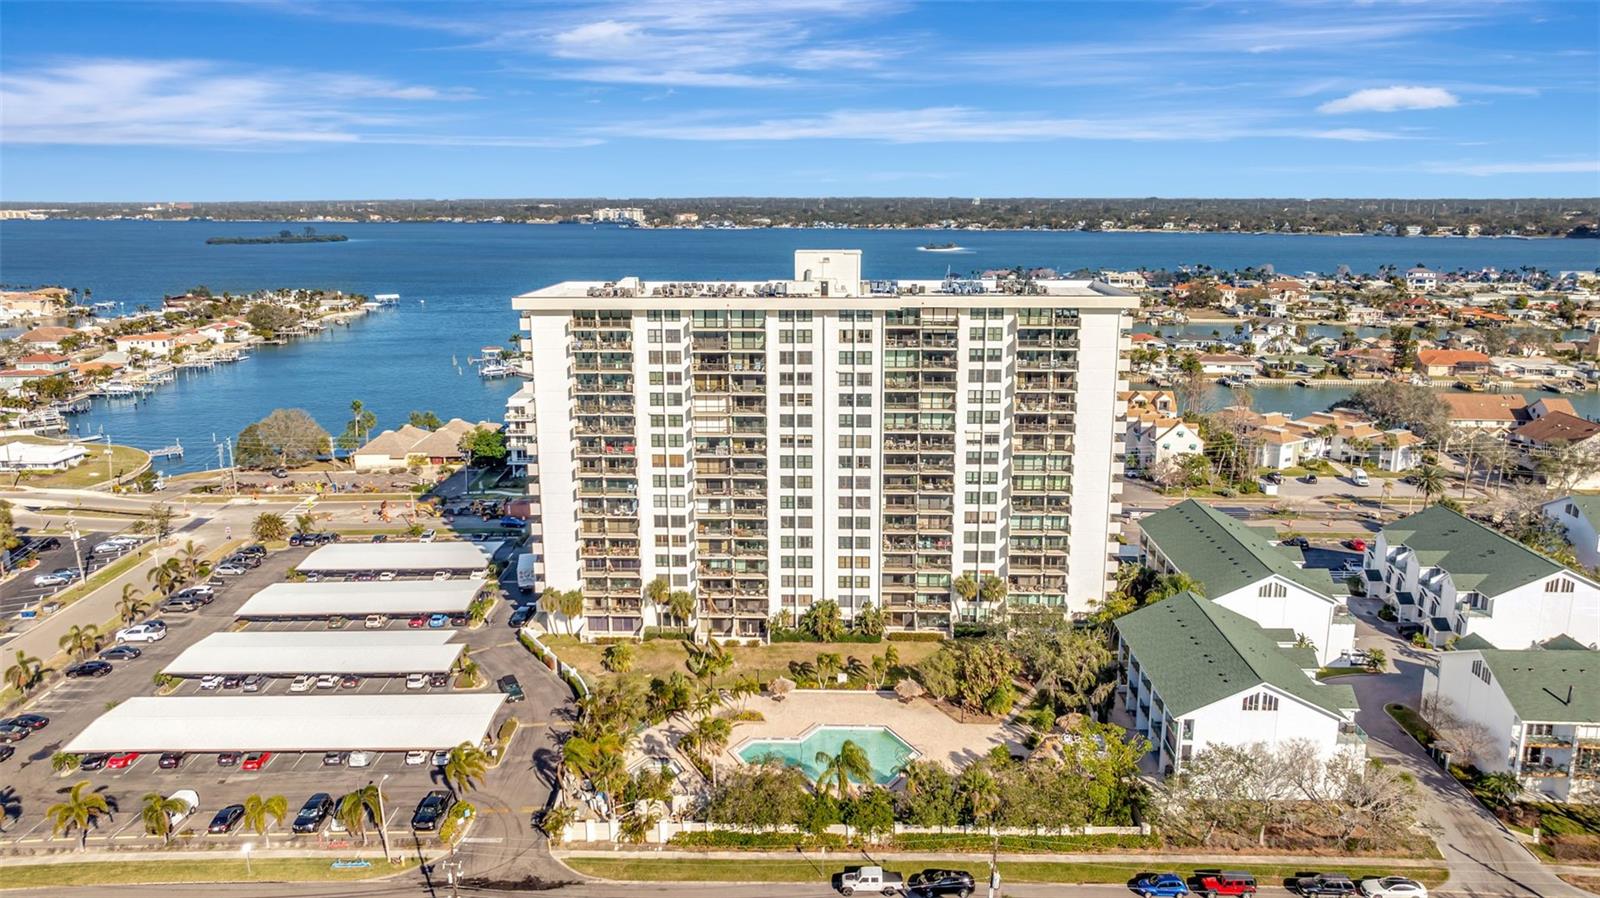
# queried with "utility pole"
point(72, 532)
point(994, 868)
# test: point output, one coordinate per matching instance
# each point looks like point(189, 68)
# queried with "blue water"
point(886, 751)
point(456, 281)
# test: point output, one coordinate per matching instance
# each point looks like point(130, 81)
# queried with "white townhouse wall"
point(1579, 517)
point(769, 445)
point(1248, 717)
point(1245, 571)
point(1537, 710)
point(1455, 577)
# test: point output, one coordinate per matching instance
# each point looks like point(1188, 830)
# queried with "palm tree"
point(1502, 788)
point(680, 605)
point(158, 812)
point(1172, 584)
point(81, 810)
point(1430, 480)
point(262, 814)
point(851, 763)
point(305, 523)
point(24, 673)
point(80, 640)
point(656, 592)
point(966, 586)
point(359, 807)
point(709, 735)
point(466, 767)
point(269, 527)
point(192, 561)
point(132, 605)
point(167, 576)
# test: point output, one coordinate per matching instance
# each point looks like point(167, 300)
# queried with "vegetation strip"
point(299, 869)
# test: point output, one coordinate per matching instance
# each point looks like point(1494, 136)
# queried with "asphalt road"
point(19, 591)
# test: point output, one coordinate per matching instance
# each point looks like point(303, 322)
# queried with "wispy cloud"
point(1488, 169)
point(1391, 99)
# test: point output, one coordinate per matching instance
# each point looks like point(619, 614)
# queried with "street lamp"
point(74, 535)
point(383, 822)
point(245, 849)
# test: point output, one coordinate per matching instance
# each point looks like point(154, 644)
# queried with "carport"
point(359, 598)
point(363, 652)
point(402, 558)
point(291, 723)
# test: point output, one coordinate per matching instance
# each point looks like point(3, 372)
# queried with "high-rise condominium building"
point(767, 446)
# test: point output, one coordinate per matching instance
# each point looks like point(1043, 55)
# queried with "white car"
point(302, 683)
point(327, 681)
point(428, 536)
point(1393, 887)
point(190, 799)
point(441, 757)
point(416, 681)
point(375, 622)
point(441, 575)
point(141, 633)
point(386, 576)
point(416, 757)
point(360, 759)
point(55, 578)
point(210, 682)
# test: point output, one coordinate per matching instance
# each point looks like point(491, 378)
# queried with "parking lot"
point(72, 704)
point(19, 592)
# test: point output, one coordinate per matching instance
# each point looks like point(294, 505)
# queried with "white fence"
point(608, 831)
point(562, 668)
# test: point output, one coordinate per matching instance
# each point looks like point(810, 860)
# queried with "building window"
point(1560, 584)
point(1272, 591)
point(1481, 671)
point(1261, 701)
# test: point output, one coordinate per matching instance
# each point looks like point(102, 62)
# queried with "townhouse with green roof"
point(1194, 674)
point(1246, 570)
point(1454, 577)
point(1579, 517)
point(1538, 711)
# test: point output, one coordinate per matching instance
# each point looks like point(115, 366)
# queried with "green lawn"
point(1412, 723)
point(294, 869)
point(768, 870)
point(92, 472)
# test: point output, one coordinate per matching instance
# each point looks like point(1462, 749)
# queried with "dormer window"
point(1559, 584)
point(1272, 590)
point(1261, 701)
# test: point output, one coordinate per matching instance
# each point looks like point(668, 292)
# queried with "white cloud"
point(1391, 99)
point(1488, 169)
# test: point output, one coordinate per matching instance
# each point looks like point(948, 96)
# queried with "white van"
point(1358, 476)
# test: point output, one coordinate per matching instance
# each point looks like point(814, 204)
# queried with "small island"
point(309, 235)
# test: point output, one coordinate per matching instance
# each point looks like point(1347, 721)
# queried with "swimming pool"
point(884, 749)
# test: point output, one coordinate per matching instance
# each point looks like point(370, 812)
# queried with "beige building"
point(408, 445)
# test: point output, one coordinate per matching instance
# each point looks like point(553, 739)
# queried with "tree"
point(871, 814)
point(80, 640)
point(157, 813)
point(269, 319)
point(763, 795)
point(708, 735)
point(618, 658)
point(908, 689)
point(8, 535)
point(484, 444)
point(839, 769)
point(1393, 404)
point(156, 521)
point(166, 576)
point(656, 592)
point(1073, 669)
point(191, 560)
point(454, 824)
point(263, 813)
point(425, 420)
point(680, 606)
point(80, 810)
point(360, 425)
point(928, 795)
point(868, 620)
point(1501, 788)
point(992, 589)
point(287, 437)
point(823, 622)
point(1375, 660)
point(24, 673)
point(269, 527)
point(465, 767)
point(555, 820)
point(1430, 480)
point(132, 605)
point(965, 586)
point(357, 808)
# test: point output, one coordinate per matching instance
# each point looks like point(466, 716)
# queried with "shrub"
point(784, 634)
point(1386, 613)
point(972, 631)
point(1574, 847)
point(917, 636)
point(674, 633)
point(977, 842)
point(757, 841)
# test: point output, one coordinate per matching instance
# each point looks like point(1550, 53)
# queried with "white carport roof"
point(366, 652)
point(290, 723)
point(445, 556)
point(359, 598)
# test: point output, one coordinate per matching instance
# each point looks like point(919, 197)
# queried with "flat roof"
point(365, 652)
point(360, 598)
point(445, 556)
point(291, 723)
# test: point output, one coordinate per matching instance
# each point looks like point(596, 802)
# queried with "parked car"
point(1309, 478)
point(1298, 542)
point(229, 758)
point(416, 757)
point(375, 622)
point(1160, 885)
point(301, 683)
point(438, 620)
point(256, 760)
point(57, 577)
point(88, 669)
point(380, 537)
point(6, 752)
point(441, 575)
point(171, 760)
point(210, 682)
point(335, 758)
point(360, 758)
point(297, 539)
point(386, 576)
point(349, 681)
point(428, 536)
point(519, 616)
point(120, 653)
point(176, 605)
point(31, 721)
point(939, 883)
point(189, 799)
point(1356, 545)
point(513, 690)
point(438, 679)
point(313, 813)
point(145, 632)
point(416, 681)
point(440, 757)
point(229, 569)
point(1336, 884)
point(1273, 477)
point(365, 576)
point(430, 810)
point(13, 733)
point(458, 620)
point(867, 879)
point(417, 622)
point(95, 761)
point(1212, 883)
point(327, 681)
point(226, 819)
point(255, 683)
point(258, 550)
point(1358, 476)
point(1393, 887)
point(205, 592)
point(232, 681)
point(122, 760)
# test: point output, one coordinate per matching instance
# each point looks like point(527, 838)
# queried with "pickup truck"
point(868, 879)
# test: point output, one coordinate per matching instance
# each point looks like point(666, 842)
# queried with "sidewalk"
point(609, 850)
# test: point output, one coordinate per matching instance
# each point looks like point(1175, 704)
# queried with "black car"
point(438, 680)
point(380, 537)
point(1336, 884)
point(313, 813)
point(1309, 478)
point(232, 681)
point(335, 758)
point(1273, 477)
point(229, 759)
point(31, 721)
point(513, 690)
point(520, 616)
point(296, 539)
point(6, 751)
point(430, 809)
point(938, 883)
point(88, 669)
point(121, 653)
point(1298, 542)
point(226, 819)
point(10, 732)
point(172, 760)
point(1406, 631)
point(257, 550)
point(46, 544)
point(96, 761)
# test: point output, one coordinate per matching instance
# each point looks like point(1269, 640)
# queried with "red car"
point(122, 761)
point(1212, 883)
point(256, 760)
point(418, 622)
point(1359, 545)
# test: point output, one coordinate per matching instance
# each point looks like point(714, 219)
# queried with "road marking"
point(484, 840)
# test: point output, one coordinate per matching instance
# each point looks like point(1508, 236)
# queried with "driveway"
point(1483, 856)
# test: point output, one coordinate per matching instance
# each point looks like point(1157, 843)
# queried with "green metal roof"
point(1197, 652)
point(1478, 558)
point(1557, 685)
point(1224, 553)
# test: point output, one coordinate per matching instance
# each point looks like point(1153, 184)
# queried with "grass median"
point(289, 869)
point(768, 870)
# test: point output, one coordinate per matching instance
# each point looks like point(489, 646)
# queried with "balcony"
point(1350, 734)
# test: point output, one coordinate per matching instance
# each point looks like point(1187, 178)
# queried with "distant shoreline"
point(277, 238)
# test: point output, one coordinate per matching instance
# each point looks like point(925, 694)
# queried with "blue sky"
point(281, 99)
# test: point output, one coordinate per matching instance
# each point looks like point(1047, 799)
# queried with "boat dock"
point(173, 451)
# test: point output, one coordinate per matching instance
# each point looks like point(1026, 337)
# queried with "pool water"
point(887, 752)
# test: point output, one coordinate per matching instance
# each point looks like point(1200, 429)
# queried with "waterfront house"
point(1154, 438)
point(1229, 364)
point(156, 343)
point(47, 338)
point(1561, 434)
point(1193, 674)
point(1485, 411)
point(13, 378)
point(1163, 401)
point(1533, 368)
point(1538, 710)
point(1452, 362)
point(1421, 280)
point(1579, 517)
point(1455, 577)
point(19, 455)
point(1246, 570)
point(44, 361)
point(45, 302)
